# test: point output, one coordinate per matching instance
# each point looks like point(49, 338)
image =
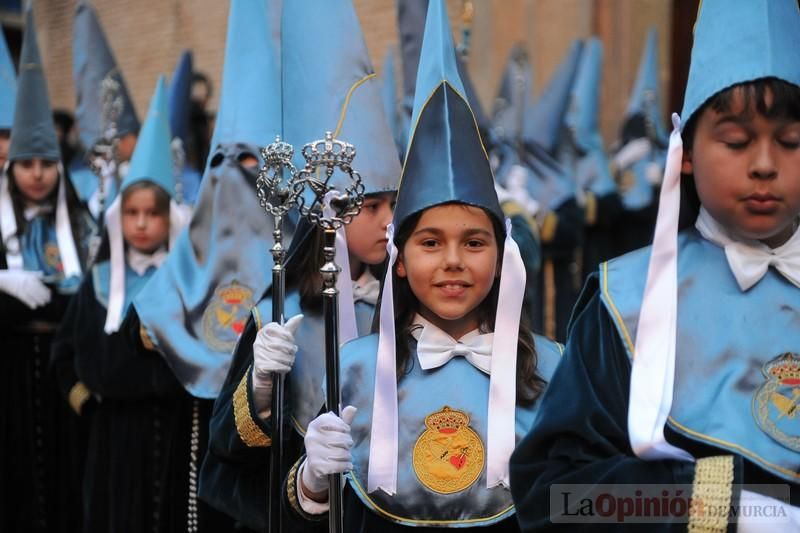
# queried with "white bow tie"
point(140, 262)
point(435, 348)
point(749, 261)
point(367, 292)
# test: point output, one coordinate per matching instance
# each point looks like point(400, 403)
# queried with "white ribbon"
point(348, 329)
point(653, 371)
point(501, 433)
point(64, 237)
point(436, 348)
point(116, 289)
point(8, 225)
point(382, 470)
point(749, 260)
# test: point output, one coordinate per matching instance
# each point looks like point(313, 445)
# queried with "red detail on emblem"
point(458, 461)
point(791, 381)
point(447, 431)
point(233, 301)
point(238, 327)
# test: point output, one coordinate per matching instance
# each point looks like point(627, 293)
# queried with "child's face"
point(747, 171)
point(35, 178)
point(144, 227)
point(450, 261)
point(366, 234)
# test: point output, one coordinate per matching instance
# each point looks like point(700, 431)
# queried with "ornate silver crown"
point(275, 194)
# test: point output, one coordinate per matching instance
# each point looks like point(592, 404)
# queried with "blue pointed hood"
point(152, 158)
point(544, 121)
point(337, 91)
point(32, 133)
point(250, 99)
point(92, 62)
point(582, 114)
point(646, 96)
point(180, 92)
point(397, 121)
point(446, 160)
point(736, 41)
point(513, 96)
point(8, 86)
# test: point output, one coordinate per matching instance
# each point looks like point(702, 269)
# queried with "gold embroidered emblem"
point(226, 315)
point(448, 457)
point(776, 405)
point(52, 257)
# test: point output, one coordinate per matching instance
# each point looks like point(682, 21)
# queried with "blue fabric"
point(152, 157)
point(726, 338)
point(40, 253)
point(544, 121)
point(33, 132)
point(458, 385)
point(250, 97)
point(336, 92)
point(741, 40)
point(180, 93)
point(8, 85)
point(134, 283)
point(92, 62)
point(446, 160)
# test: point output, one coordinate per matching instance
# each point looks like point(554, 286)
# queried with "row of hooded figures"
point(323, 335)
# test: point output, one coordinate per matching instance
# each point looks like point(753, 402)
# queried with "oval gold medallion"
point(448, 457)
point(226, 315)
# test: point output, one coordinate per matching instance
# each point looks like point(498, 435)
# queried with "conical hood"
point(33, 133)
point(446, 160)
point(152, 158)
point(92, 62)
point(8, 86)
point(645, 99)
point(180, 92)
point(582, 115)
point(250, 101)
point(337, 92)
point(544, 121)
point(741, 40)
point(410, 27)
point(221, 265)
point(513, 96)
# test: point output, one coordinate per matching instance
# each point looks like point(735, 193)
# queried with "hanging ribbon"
point(382, 472)
point(653, 371)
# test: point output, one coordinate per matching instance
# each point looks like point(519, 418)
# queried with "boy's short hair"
point(785, 103)
point(162, 198)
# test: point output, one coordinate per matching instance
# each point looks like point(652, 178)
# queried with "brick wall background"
point(148, 35)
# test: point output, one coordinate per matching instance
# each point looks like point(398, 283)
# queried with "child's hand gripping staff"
point(274, 348)
point(338, 195)
point(328, 442)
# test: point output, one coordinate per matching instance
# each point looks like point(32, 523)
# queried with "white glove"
point(26, 286)
point(273, 351)
point(328, 443)
point(274, 348)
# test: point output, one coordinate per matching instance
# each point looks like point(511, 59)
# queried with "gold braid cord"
point(291, 493)
point(247, 428)
point(78, 395)
point(711, 495)
point(549, 227)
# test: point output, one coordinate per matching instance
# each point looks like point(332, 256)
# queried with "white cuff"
point(307, 504)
